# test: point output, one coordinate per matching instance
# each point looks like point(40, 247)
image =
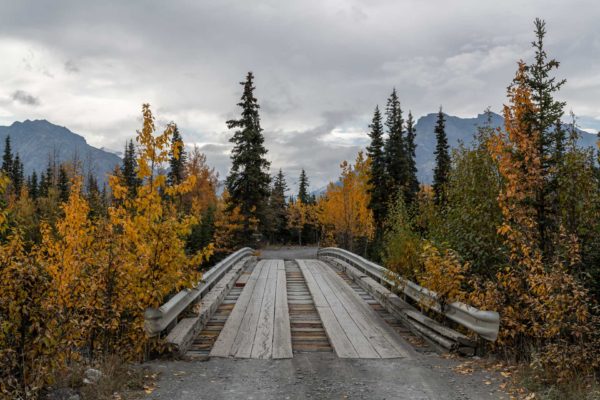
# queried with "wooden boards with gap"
point(353, 328)
point(258, 326)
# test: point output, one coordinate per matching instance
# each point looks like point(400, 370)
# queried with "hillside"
point(37, 141)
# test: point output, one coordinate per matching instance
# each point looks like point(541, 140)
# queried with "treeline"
point(79, 265)
point(511, 223)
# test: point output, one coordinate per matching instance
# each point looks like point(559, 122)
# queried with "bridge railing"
point(485, 323)
point(159, 319)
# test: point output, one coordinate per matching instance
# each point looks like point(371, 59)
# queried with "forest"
point(511, 223)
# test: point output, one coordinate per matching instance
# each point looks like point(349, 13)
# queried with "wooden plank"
point(385, 341)
point(282, 335)
point(262, 347)
point(364, 348)
point(224, 343)
point(242, 345)
point(338, 338)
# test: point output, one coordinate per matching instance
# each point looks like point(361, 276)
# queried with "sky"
point(321, 67)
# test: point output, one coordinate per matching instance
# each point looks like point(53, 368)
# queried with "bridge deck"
point(354, 330)
point(259, 325)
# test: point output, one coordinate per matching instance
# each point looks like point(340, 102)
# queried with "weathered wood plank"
point(363, 346)
point(242, 345)
point(224, 343)
point(337, 336)
point(383, 338)
point(282, 336)
point(262, 347)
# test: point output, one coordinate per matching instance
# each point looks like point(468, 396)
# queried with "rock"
point(63, 394)
point(92, 376)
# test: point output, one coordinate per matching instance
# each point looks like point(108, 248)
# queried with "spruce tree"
point(177, 161)
point(248, 181)
point(395, 147)
point(17, 174)
point(303, 194)
point(377, 179)
point(542, 119)
point(442, 159)
point(7, 158)
point(33, 185)
point(412, 184)
point(278, 207)
point(129, 169)
point(63, 184)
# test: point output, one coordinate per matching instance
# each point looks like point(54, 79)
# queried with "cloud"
point(320, 67)
point(21, 96)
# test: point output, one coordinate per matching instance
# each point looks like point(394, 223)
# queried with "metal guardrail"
point(485, 323)
point(159, 319)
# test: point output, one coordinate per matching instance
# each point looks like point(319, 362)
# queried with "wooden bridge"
point(255, 308)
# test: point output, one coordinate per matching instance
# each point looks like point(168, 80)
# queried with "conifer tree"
point(442, 159)
point(63, 184)
point(17, 174)
point(129, 169)
point(412, 184)
point(303, 194)
point(542, 119)
point(278, 206)
point(33, 186)
point(177, 159)
point(395, 146)
point(377, 178)
point(7, 158)
point(248, 181)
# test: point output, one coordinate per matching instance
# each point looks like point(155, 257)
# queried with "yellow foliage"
point(344, 209)
point(443, 272)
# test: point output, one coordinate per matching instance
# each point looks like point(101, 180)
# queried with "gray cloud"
point(23, 97)
point(321, 67)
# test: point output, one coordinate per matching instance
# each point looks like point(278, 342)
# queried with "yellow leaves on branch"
point(344, 208)
point(443, 272)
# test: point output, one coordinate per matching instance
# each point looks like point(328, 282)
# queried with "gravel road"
point(323, 375)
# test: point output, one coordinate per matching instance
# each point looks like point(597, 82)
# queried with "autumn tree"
point(248, 180)
point(442, 159)
point(152, 232)
point(344, 211)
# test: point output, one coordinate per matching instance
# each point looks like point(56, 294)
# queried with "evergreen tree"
point(412, 185)
point(377, 179)
point(395, 147)
point(17, 174)
point(129, 169)
point(94, 197)
point(442, 159)
point(63, 184)
point(542, 119)
point(278, 206)
point(177, 159)
point(248, 181)
point(33, 185)
point(303, 194)
point(7, 158)
point(43, 186)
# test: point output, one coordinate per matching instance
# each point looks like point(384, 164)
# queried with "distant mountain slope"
point(459, 129)
point(36, 141)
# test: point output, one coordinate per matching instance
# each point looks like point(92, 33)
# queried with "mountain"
point(37, 141)
point(459, 130)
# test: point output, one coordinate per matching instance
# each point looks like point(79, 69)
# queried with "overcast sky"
point(321, 66)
